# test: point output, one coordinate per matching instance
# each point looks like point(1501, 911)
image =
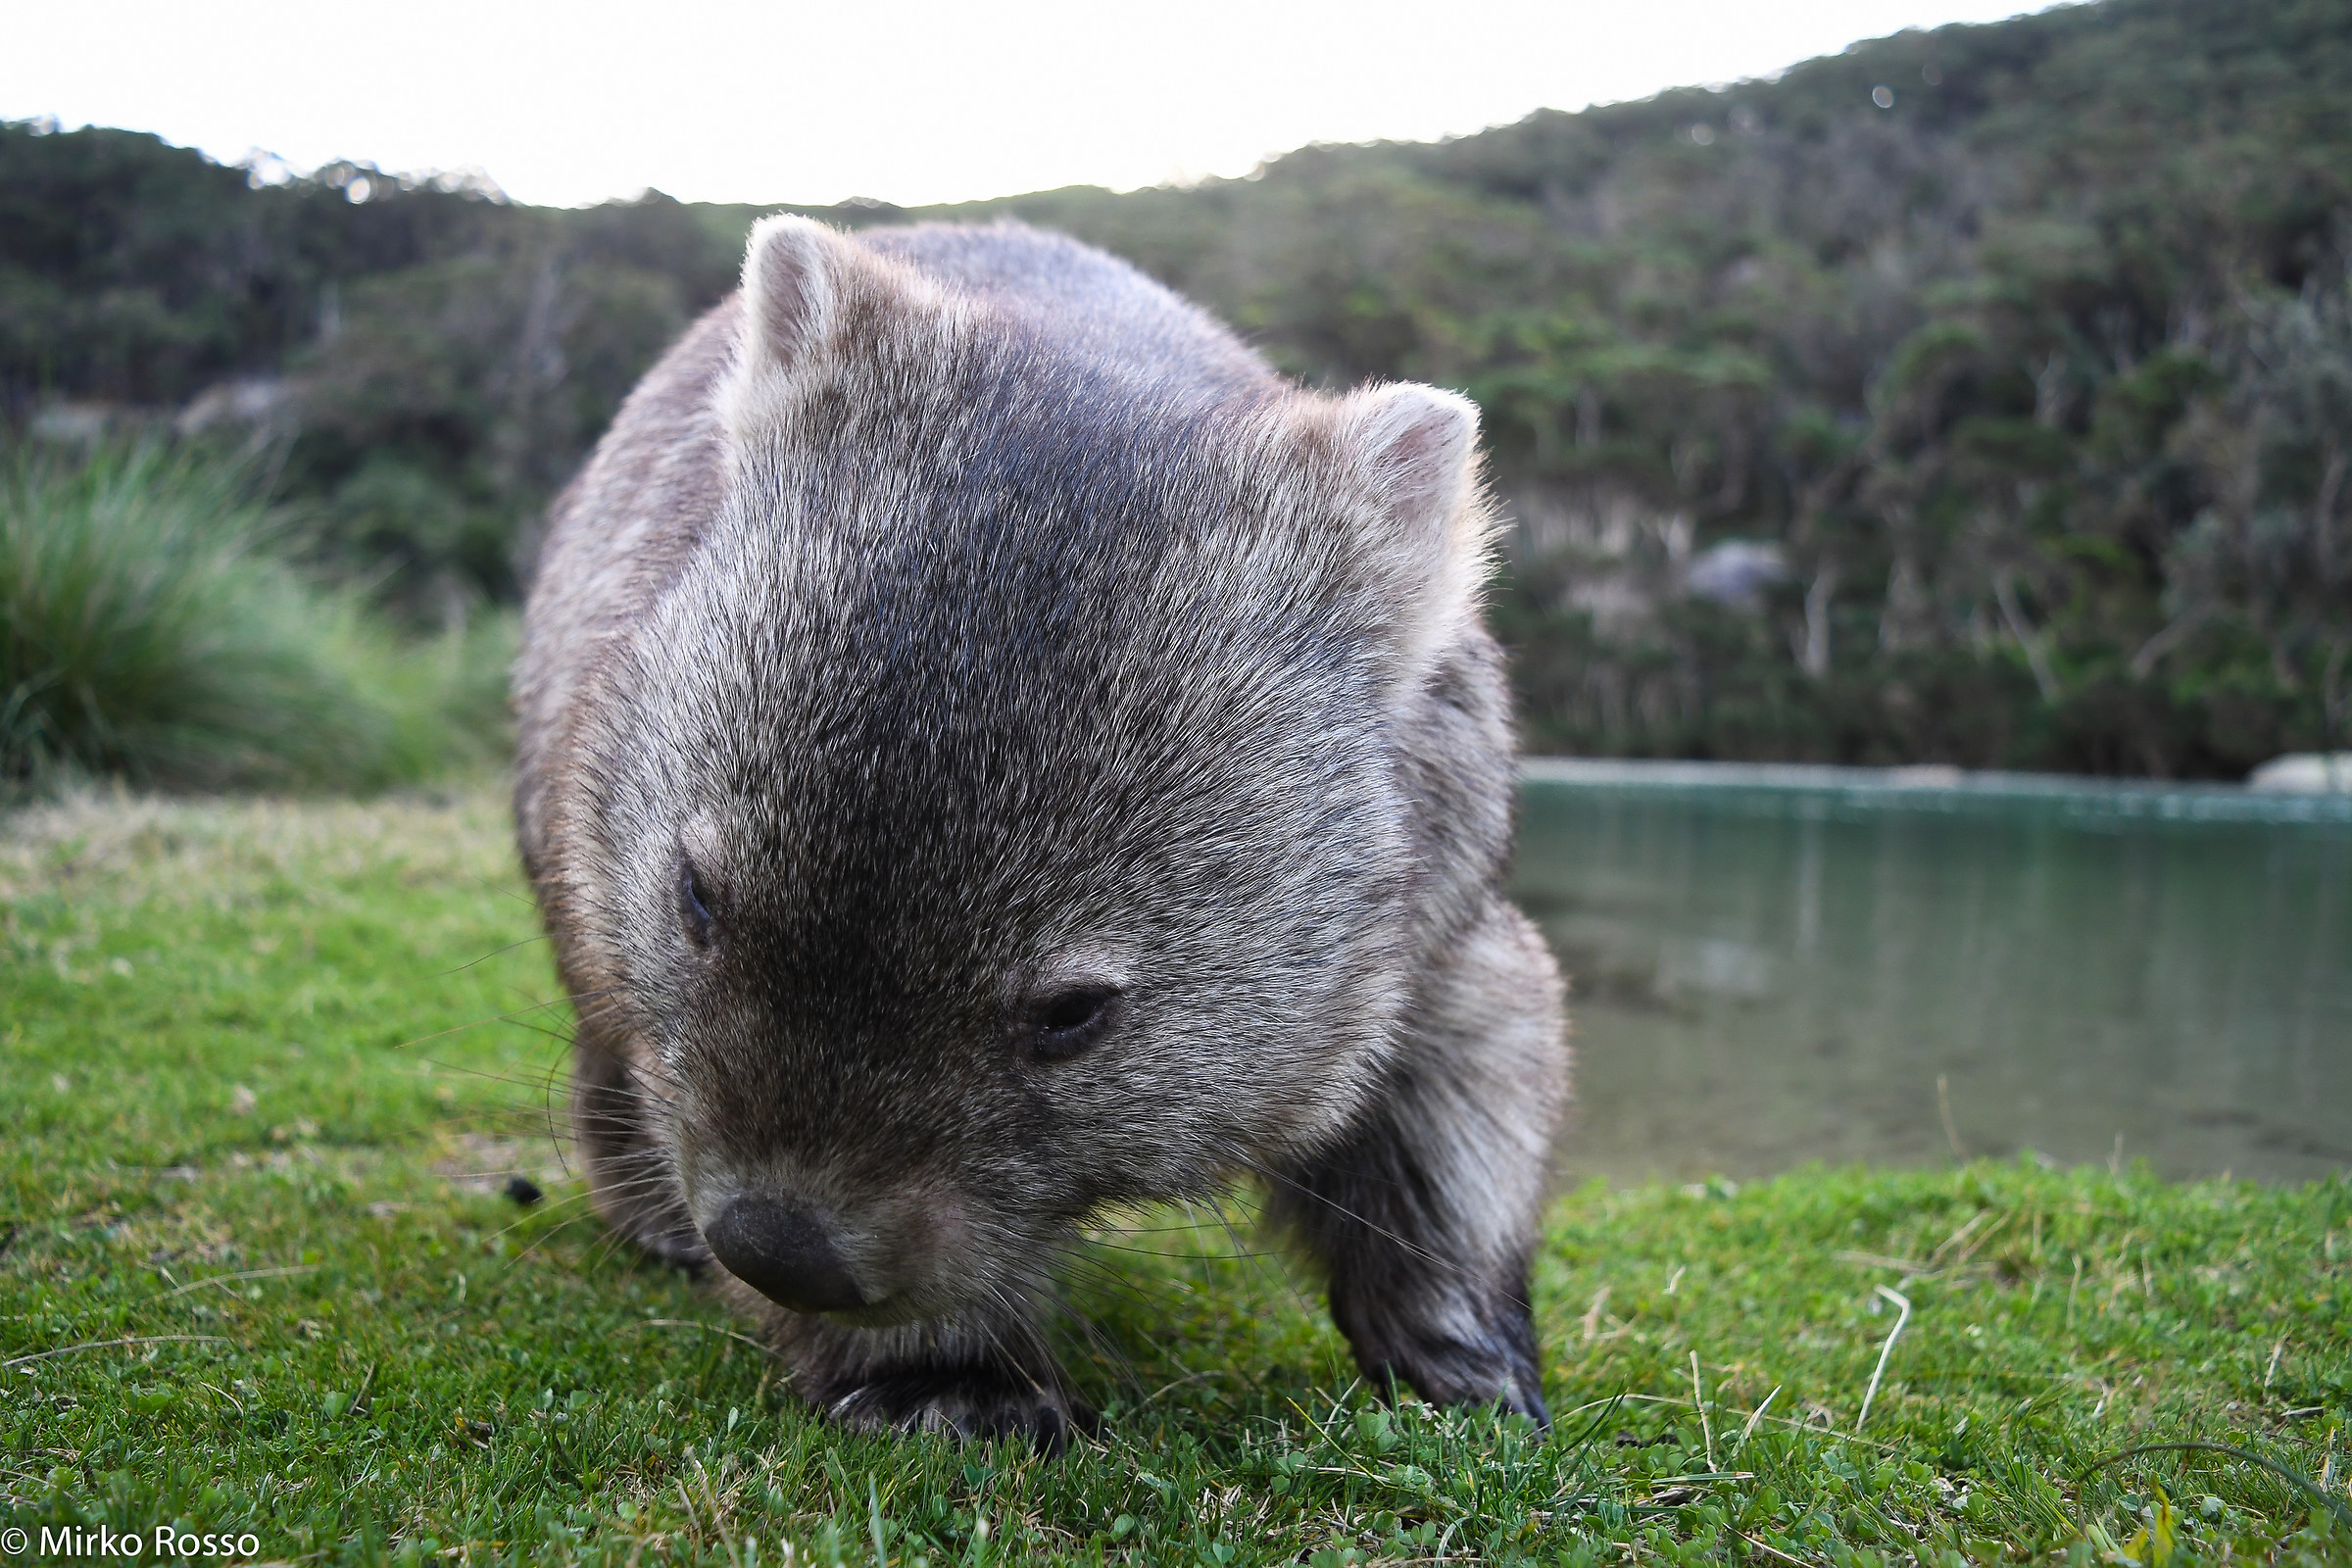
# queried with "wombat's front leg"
point(1426, 1215)
point(965, 1377)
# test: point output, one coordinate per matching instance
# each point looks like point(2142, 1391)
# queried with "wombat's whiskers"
point(469, 963)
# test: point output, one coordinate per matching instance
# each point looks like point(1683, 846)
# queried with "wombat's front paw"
point(1457, 1372)
point(1454, 1358)
point(967, 1404)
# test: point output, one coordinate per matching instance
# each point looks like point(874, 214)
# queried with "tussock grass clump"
point(152, 630)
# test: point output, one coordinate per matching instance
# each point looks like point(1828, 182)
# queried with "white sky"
point(915, 102)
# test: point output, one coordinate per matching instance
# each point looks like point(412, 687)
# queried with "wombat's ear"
point(790, 298)
point(1413, 451)
point(804, 286)
point(1416, 444)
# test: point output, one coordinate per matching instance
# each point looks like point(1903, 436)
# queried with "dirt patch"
point(479, 1164)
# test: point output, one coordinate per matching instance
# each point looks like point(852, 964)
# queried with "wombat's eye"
point(694, 904)
point(1068, 1021)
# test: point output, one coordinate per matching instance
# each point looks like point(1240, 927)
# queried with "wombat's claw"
point(1514, 1392)
point(967, 1408)
point(1528, 1403)
point(1494, 1364)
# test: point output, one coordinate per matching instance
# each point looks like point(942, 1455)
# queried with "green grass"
point(258, 1278)
point(150, 629)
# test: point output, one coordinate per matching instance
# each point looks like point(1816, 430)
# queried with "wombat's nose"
point(784, 1254)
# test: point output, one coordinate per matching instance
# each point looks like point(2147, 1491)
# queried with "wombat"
point(991, 749)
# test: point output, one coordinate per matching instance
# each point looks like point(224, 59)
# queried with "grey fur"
point(978, 620)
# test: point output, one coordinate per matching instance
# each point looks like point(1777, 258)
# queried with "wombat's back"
point(1083, 301)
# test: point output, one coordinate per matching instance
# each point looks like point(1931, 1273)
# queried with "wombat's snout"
point(785, 1253)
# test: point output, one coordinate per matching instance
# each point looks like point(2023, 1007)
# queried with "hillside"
point(1980, 396)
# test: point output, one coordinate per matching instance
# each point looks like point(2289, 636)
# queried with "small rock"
point(242, 1099)
point(2304, 774)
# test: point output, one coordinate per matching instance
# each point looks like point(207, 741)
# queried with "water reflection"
point(1770, 975)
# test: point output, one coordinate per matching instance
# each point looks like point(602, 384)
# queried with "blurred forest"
point(1979, 396)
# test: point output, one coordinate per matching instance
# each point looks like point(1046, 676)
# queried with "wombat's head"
point(998, 813)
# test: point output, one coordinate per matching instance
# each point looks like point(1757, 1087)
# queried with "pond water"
point(1778, 965)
